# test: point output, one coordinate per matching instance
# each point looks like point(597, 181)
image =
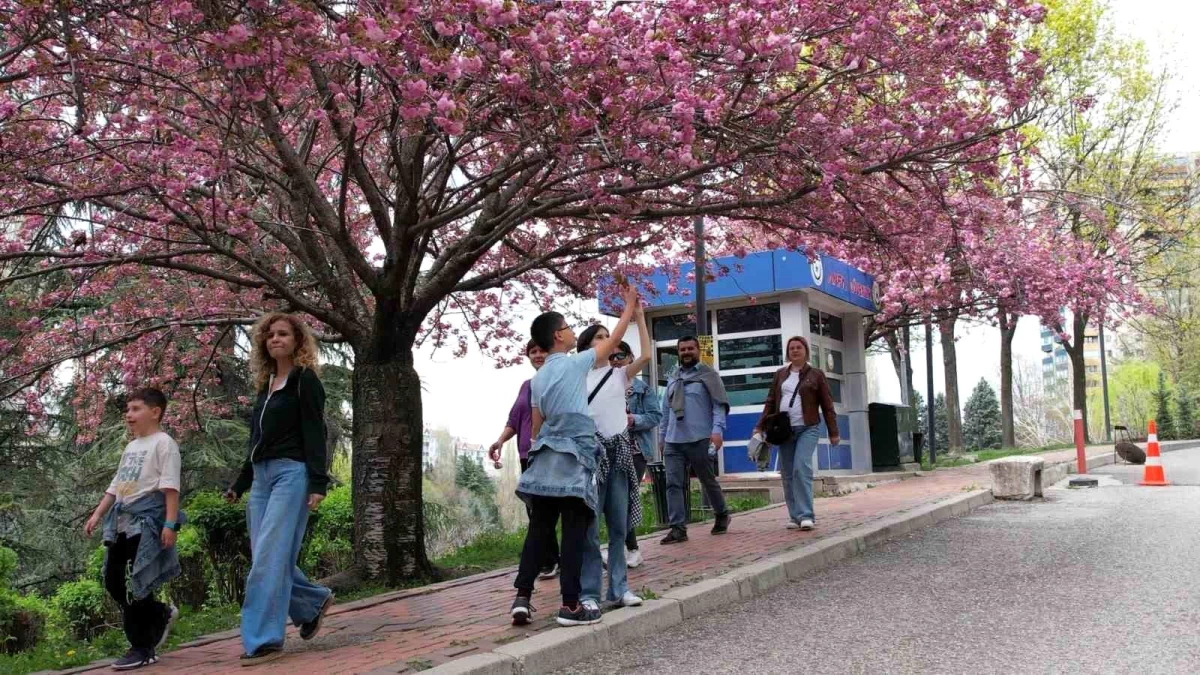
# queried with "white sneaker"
point(590, 604)
point(793, 525)
point(807, 524)
point(633, 558)
point(630, 600)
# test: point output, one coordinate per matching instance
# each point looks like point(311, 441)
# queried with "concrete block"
point(1017, 477)
point(755, 580)
point(489, 663)
point(557, 648)
point(652, 617)
point(698, 598)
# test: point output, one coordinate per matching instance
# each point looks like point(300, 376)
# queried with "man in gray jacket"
point(694, 412)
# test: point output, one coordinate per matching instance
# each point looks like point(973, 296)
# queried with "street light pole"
point(701, 292)
point(1104, 386)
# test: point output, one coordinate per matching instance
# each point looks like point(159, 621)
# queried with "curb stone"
point(561, 647)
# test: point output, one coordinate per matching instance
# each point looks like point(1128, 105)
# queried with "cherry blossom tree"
point(415, 171)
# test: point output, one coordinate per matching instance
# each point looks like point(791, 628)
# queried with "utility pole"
point(1104, 386)
point(701, 292)
point(929, 426)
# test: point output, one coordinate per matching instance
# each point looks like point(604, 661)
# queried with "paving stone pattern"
point(413, 630)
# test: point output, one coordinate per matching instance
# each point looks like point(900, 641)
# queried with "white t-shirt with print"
point(608, 408)
point(149, 464)
point(795, 412)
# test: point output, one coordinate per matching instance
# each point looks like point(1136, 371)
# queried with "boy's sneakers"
point(675, 536)
point(135, 658)
point(580, 615)
point(263, 654)
point(521, 611)
point(807, 524)
point(309, 629)
point(548, 572)
point(793, 525)
point(630, 600)
point(171, 615)
point(633, 558)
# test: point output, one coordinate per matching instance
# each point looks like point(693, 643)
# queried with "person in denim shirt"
point(561, 478)
point(642, 405)
point(694, 412)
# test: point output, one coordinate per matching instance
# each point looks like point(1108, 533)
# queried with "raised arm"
point(632, 370)
point(606, 347)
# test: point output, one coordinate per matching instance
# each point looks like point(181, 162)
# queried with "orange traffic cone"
point(1154, 469)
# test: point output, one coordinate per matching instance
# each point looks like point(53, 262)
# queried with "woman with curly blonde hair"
point(285, 471)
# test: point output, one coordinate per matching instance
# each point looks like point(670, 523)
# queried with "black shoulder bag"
point(778, 427)
point(601, 385)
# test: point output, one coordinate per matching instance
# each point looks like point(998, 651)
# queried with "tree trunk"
point(903, 375)
point(1008, 329)
point(950, 365)
point(1079, 371)
point(389, 530)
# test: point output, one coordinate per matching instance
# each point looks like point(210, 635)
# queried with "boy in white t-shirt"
point(140, 532)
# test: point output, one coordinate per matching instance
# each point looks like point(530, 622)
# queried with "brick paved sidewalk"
point(412, 630)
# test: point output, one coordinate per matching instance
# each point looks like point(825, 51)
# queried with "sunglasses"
point(618, 356)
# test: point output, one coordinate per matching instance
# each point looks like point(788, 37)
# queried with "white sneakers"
point(633, 558)
point(793, 525)
point(630, 600)
point(806, 524)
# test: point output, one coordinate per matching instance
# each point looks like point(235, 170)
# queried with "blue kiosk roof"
point(763, 274)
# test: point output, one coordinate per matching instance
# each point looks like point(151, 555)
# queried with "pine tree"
point(1162, 401)
point(981, 418)
point(941, 424)
point(1185, 423)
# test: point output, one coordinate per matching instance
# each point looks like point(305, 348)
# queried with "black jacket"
point(289, 424)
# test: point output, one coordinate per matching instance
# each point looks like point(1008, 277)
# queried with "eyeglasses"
point(561, 329)
point(617, 357)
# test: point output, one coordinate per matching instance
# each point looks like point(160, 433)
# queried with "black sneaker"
point(263, 654)
point(309, 629)
point(521, 611)
point(135, 658)
point(722, 524)
point(548, 572)
point(170, 616)
point(580, 615)
point(675, 536)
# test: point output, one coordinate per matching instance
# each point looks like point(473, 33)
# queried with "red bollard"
point(1080, 453)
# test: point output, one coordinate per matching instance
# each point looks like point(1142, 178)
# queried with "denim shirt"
point(153, 565)
point(702, 416)
point(562, 459)
point(644, 406)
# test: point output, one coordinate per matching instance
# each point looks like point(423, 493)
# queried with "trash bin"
point(658, 484)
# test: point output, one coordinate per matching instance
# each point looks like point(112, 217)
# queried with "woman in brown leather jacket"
point(804, 411)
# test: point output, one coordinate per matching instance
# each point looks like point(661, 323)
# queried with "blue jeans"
point(614, 504)
point(796, 470)
point(276, 589)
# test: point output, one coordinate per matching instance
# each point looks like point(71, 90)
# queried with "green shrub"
point(190, 588)
point(328, 548)
point(8, 566)
point(22, 621)
point(82, 606)
point(225, 541)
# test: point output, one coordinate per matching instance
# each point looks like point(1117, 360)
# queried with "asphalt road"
point(1103, 580)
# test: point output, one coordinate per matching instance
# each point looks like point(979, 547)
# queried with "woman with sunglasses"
point(617, 483)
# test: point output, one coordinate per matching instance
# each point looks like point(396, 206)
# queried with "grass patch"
point(489, 551)
point(988, 455)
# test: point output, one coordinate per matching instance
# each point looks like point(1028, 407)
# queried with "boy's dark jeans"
point(639, 465)
point(143, 619)
point(551, 558)
point(544, 513)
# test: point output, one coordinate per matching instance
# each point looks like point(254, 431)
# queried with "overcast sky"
point(470, 397)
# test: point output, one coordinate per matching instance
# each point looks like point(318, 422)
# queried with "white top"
point(148, 464)
point(608, 409)
point(795, 412)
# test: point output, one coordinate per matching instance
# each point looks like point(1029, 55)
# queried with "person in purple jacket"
point(520, 424)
